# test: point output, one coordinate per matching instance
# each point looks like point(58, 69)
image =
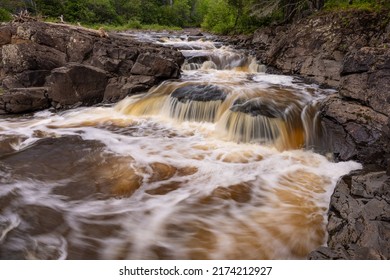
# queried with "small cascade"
point(241, 113)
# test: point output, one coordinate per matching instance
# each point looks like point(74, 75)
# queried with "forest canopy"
point(219, 16)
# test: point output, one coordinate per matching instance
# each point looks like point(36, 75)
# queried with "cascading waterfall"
point(211, 166)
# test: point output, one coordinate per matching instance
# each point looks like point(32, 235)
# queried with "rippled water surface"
point(217, 165)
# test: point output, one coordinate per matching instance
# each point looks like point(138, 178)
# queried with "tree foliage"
point(220, 16)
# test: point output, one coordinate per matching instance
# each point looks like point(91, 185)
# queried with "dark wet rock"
point(30, 56)
point(348, 252)
point(120, 87)
point(202, 93)
point(356, 132)
point(39, 219)
point(258, 107)
point(53, 159)
point(114, 58)
point(316, 46)
point(199, 59)
point(76, 84)
point(5, 35)
point(26, 79)
point(195, 33)
point(5, 202)
point(366, 78)
point(150, 64)
point(34, 52)
point(359, 217)
point(24, 100)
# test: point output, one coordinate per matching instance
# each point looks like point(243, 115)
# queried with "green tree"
point(50, 8)
point(128, 9)
point(238, 5)
point(220, 17)
point(102, 11)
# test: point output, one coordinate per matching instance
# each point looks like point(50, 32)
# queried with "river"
point(220, 164)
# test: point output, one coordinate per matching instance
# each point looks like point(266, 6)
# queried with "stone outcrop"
point(75, 66)
point(349, 51)
point(24, 100)
point(315, 47)
point(359, 115)
point(76, 83)
point(359, 218)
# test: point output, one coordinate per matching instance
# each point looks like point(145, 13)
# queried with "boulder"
point(5, 35)
point(76, 84)
point(152, 64)
point(26, 79)
point(120, 87)
point(366, 78)
point(37, 219)
point(359, 212)
point(355, 131)
point(24, 100)
point(202, 93)
point(113, 58)
point(75, 42)
point(259, 107)
point(30, 56)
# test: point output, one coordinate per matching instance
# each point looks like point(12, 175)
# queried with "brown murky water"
point(215, 166)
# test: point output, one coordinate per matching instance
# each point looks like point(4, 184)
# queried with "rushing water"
point(217, 165)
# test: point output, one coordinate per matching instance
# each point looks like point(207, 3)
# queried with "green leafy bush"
point(4, 15)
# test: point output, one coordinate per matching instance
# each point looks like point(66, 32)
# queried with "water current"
point(217, 165)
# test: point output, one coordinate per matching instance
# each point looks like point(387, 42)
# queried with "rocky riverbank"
point(45, 65)
point(349, 51)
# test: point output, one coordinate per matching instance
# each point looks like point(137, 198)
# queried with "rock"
point(76, 84)
point(348, 252)
point(198, 58)
point(5, 35)
point(359, 212)
point(120, 87)
point(24, 100)
point(112, 58)
point(259, 107)
point(356, 132)
point(316, 46)
point(195, 33)
point(30, 56)
point(26, 79)
point(75, 42)
point(366, 78)
point(36, 54)
point(39, 219)
point(150, 64)
point(202, 93)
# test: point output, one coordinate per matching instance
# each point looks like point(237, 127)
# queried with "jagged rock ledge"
point(349, 51)
point(46, 65)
